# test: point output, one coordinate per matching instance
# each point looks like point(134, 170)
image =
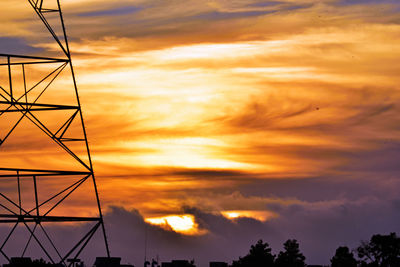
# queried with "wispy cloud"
point(287, 107)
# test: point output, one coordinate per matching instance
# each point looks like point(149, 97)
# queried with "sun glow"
point(258, 215)
point(184, 224)
point(231, 215)
point(179, 152)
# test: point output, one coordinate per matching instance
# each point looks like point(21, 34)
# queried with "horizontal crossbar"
point(10, 218)
point(34, 57)
point(44, 106)
point(33, 172)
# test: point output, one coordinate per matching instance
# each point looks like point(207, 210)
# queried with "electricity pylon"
point(35, 199)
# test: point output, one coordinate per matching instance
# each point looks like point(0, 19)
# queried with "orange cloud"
point(216, 95)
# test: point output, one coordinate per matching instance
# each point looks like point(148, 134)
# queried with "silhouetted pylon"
point(46, 173)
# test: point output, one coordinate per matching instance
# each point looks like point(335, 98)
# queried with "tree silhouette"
point(258, 256)
point(291, 257)
point(343, 258)
point(381, 250)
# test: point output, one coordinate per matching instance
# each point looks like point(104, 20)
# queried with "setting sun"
point(184, 224)
point(258, 215)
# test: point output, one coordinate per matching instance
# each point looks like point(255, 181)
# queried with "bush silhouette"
point(343, 258)
point(258, 256)
point(381, 250)
point(291, 256)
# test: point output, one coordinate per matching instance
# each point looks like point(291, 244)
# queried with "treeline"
point(379, 251)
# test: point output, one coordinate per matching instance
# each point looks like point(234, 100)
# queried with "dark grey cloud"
point(265, 3)
point(217, 15)
point(17, 46)
point(124, 10)
point(379, 162)
point(366, 2)
point(164, 20)
point(320, 227)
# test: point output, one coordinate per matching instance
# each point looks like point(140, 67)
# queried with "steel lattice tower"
point(22, 104)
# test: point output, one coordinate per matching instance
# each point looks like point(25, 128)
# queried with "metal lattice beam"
point(27, 106)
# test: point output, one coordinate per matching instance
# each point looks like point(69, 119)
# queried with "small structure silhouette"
point(178, 263)
point(107, 262)
point(218, 264)
point(19, 262)
point(28, 262)
point(75, 263)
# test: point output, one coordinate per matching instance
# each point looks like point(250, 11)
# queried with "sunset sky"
point(228, 121)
